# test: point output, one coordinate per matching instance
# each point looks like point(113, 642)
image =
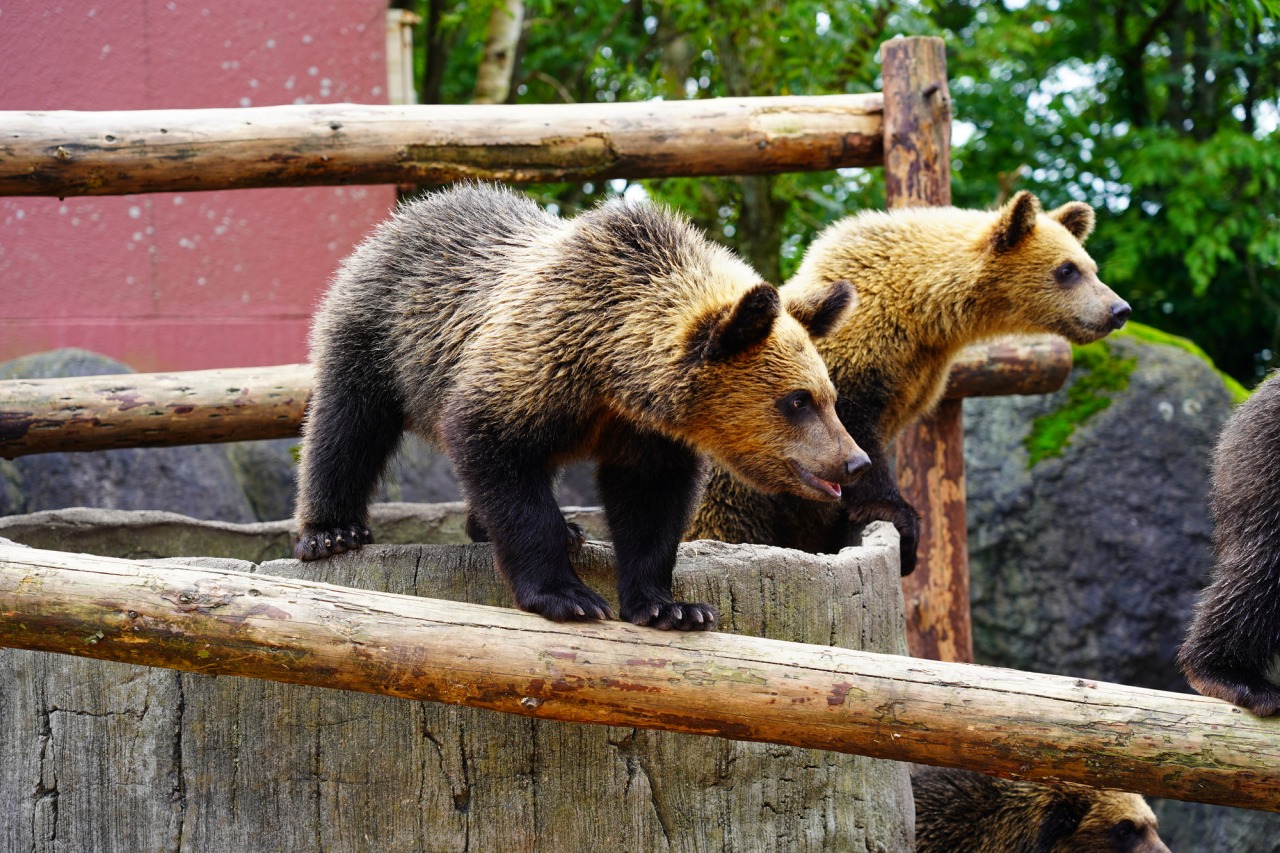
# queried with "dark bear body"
point(960, 811)
point(517, 342)
point(930, 281)
point(1232, 650)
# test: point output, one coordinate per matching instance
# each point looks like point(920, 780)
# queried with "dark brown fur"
point(960, 811)
point(930, 281)
point(517, 342)
point(1232, 650)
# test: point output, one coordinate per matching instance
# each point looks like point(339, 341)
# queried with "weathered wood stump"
point(103, 756)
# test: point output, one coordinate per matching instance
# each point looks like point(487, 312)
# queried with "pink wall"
point(182, 280)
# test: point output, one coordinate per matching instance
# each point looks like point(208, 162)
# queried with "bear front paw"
point(574, 603)
point(315, 544)
point(667, 615)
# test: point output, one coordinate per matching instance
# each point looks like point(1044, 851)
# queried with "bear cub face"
point(1047, 250)
point(788, 442)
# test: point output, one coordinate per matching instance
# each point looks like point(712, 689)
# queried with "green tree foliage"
point(1161, 113)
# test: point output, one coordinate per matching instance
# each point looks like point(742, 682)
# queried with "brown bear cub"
point(930, 281)
point(1232, 650)
point(960, 811)
point(517, 342)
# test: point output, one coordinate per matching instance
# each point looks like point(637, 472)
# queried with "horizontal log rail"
point(1025, 725)
point(68, 153)
point(239, 404)
point(151, 409)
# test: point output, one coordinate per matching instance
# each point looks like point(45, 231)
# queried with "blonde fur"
point(930, 282)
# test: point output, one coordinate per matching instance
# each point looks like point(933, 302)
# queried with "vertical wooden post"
point(930, 452)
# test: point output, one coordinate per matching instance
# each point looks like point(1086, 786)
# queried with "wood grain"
point(111, 153)
point(929, 456)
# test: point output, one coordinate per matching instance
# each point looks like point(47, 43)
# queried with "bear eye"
point(796, 403)
point(1124, 834)
point(1066, 274)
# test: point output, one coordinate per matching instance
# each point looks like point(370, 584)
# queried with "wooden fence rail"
point(240, 404)
point(746, 688)
point(69, 153)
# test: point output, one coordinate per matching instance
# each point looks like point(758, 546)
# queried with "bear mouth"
point(828, 489)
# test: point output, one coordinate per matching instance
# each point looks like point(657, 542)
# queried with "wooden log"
point(929, 458)
point(1023, 725)
point(285, 768)
point(241, 404)
point(1031, 366)
point(930, 469)
point(151, 409)
point(111, 153)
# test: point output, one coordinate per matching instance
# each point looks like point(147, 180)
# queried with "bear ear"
point(740, 326)
point(1075, 216)
point(823, 311)
point(1059, 820)
point(1016, 221)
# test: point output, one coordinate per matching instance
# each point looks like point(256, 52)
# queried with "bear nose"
point(857, 463)
point(1120, 312)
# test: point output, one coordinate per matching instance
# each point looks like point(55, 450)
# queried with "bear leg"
point(649, 486)
point(874, 496)
point(512, 506)
point(1232, 650)
point(575, 535)
point(350, 434)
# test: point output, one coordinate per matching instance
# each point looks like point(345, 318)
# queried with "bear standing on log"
point(930, 281)
point(1232, 650)
point(518, 342)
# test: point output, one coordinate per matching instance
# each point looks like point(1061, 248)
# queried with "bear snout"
point(856, 464)
point(1120, 312)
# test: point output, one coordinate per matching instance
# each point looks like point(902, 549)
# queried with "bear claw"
point(314, 544)
point(672, 615)
point(576, 603)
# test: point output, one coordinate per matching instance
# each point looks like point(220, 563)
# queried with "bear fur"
point(960, 811)
point(930, 282)
point(517, 342)
point(1232, 649)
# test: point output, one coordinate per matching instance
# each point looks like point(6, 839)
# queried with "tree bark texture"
point(112, 756)
point(929, 458)
point(1025, 725)
point(930, 469)
point(493, 77)
point(241, 404)
point(112, 153)
point(151, 409)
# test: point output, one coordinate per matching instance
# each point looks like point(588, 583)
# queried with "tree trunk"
point(493, 77)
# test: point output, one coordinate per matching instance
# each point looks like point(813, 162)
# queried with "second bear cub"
point(930, 281)
point(517, 342)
